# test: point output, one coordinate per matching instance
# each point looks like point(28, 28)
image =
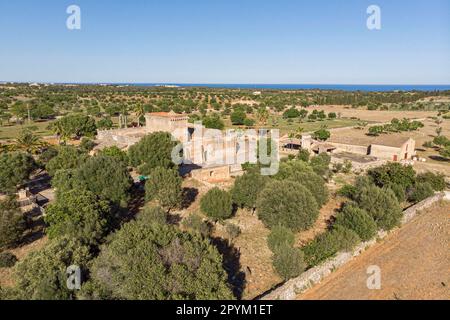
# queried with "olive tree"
point(154, 150)
point(152, 261)
point(288, 204)
point(15, 169)
point(217, 204)
point(12, 223)
point(164, 186)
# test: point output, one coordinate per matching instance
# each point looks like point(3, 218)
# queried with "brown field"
point(414, 263)
point(375, 115)
point(427, 133)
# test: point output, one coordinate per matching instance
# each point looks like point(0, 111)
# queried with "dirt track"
point(414, 263)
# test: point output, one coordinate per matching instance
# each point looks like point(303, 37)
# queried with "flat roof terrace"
point(354, 157)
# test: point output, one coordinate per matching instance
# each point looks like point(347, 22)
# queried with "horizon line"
point(230, 83)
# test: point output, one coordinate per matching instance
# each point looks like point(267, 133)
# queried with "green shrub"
point(315, 184)
point(107, 177)
point(87, 145)
point(152, 214)
point(233, 230)
point(217, 204)
point(358, 220)
point(420, 192)
point(15, 169)
point(12, 223)
point(288, 204)
point(399, 191)
point(164, 186)
point(348, 191)
point(393, 172)
point(68, 157)
point(321, 164)
point(246, 189)
point(7, 260)
point(381, 204)
point(328, 244)
point(280, 236)
point(288, 262)
point(196, 224)
point(437, 181)
point(42, 274)
point(303, 155)
point(157, 262)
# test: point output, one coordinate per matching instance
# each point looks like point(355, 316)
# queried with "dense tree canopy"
point(246, 189)
point(301, 172)
point(393, 172)
point(78, 214)
point(12, 223)
point(42, 275)
point(107, 177)
point(155, 261)
point(68, 157)
point(164, 186)
point(213, 122)
point(154, 150)
point(15, 169)
point(74, 125)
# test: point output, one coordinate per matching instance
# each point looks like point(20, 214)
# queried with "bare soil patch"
point(414, 262)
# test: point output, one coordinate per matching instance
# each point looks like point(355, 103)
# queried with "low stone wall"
point(101, 134)
point(212, 174)
point(292, 288)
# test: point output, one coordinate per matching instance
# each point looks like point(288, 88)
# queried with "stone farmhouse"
point(210, 153)
point(363, 151)
point(387, 147)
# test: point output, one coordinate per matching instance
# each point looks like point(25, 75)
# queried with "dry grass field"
point(375, 115)
point(414, 262)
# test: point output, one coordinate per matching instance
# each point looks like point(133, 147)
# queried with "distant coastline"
point(342, 87)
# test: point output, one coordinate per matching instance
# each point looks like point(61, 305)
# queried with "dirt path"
point(414, 263)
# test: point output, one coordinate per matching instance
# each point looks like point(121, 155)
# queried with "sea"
point(342, 87)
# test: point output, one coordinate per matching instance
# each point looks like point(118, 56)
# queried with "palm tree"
point(299, 132)
point(28, 142)
point(139, 112)
point(263, 115)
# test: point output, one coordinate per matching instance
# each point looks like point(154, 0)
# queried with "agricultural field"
point(414, 263)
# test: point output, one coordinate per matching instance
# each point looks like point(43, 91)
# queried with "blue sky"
point(226, 41)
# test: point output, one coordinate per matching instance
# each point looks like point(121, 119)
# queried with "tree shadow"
point(123, 215)
point(35, 226)
point(174, 219)
point(439, 158)
point(232, 265)
point(189, 196)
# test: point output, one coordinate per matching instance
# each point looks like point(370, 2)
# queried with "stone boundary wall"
point(292, 288)
point(101, 134)
point(359, 166)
